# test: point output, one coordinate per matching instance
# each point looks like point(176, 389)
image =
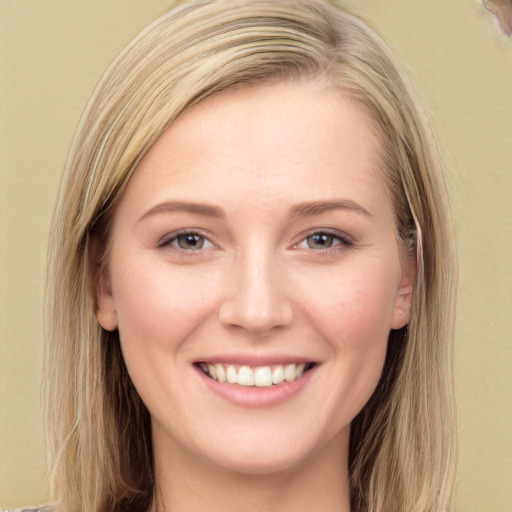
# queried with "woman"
point(250, 293)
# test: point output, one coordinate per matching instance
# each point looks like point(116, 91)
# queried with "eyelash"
point(168, 240)
point(340, 241)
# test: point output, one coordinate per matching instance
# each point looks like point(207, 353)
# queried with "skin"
point(255, 283)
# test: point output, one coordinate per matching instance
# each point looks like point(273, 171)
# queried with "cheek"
point(355, 306)
point(353, 315)
point(158, 308)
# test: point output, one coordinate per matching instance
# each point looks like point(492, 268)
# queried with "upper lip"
point(255, 360)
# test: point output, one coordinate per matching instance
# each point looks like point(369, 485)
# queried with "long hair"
point(402, 448)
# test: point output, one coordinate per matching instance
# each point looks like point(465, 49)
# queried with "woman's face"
point(255, 243)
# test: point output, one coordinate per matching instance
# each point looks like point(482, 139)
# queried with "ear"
point(106, 313)
point(104, 304)
point(403, 299)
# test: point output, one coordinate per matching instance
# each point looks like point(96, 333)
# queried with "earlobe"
point(106, 313)
point(403, 300)
point(402, 308)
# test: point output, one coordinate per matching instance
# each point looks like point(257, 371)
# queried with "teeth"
point(221, 374)
point(278, 375)
point(260, 376)
point(231, 375)
point(245, 376)
point(263, 376)
point(290, 372)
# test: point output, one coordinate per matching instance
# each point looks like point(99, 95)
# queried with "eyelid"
point(344, 238)
point(168, 238)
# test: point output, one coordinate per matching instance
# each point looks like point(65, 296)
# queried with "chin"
point(258, 462)
point(271, 453)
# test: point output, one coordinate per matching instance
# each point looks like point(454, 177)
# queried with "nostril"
point(256, 293)
point(256, 318)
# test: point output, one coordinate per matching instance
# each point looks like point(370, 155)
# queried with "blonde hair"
point(97, 429)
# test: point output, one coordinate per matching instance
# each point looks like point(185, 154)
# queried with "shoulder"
point(27, 509)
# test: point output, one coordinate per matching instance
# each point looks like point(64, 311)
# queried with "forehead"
point(280, 142)
point(314, 105)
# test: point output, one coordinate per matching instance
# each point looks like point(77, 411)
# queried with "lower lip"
point(255, 397)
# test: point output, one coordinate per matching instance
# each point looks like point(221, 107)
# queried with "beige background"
point(52, 53)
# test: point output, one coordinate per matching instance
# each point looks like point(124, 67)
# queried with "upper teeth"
point(260, 376)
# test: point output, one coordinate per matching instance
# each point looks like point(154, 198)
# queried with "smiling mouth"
point(255, 376)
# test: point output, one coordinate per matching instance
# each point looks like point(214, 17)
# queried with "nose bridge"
point(257, 300)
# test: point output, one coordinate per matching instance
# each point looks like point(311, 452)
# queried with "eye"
point(322, 240)
point(187, 241)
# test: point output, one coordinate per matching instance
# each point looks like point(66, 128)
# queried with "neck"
point(186, 483)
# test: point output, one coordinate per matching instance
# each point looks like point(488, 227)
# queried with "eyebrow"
point(205, 210)
point(306, 209)
point(318, 207)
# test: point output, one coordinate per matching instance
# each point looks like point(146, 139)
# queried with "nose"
point(256, 298)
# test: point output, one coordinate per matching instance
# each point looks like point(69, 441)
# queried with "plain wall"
point(53, 52)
